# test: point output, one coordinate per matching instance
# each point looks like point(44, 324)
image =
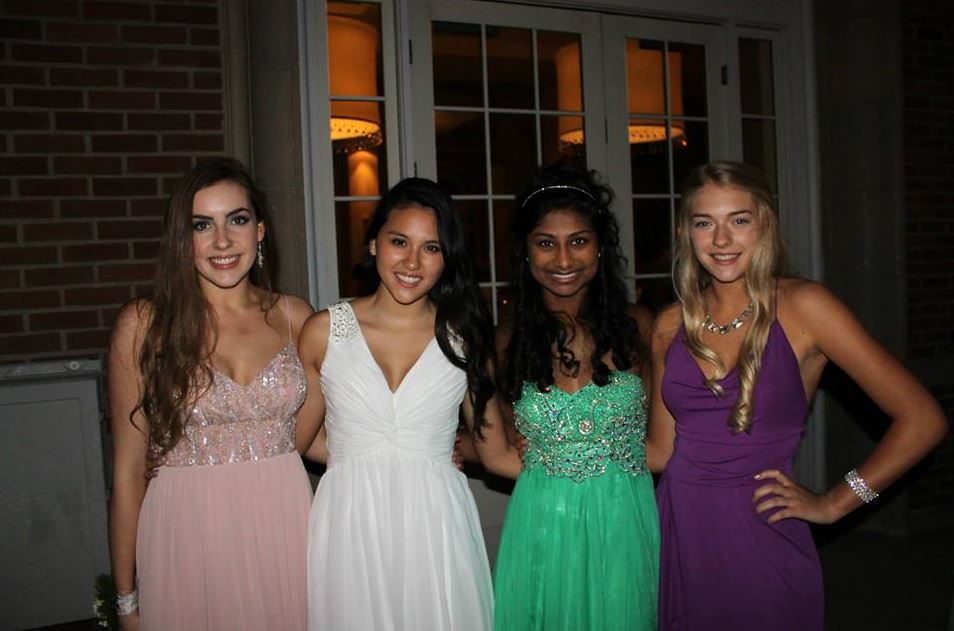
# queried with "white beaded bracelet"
point(127, 603)
point(860, 487)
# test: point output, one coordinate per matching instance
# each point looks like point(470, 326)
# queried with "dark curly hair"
point(461, 312)
point(535, 330)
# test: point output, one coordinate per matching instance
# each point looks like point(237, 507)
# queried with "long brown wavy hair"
point(767, 264)
point(176, 354)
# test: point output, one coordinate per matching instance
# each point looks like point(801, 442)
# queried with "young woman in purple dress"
point(735, 363)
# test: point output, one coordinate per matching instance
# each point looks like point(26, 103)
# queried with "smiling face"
point(563, 254)
point(407, 253)
point(724, 230)
point(225, 235)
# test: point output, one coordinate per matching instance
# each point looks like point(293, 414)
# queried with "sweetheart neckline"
point(614, 374)
point(257, 377)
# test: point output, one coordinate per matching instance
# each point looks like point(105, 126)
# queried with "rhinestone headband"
point(558, 187)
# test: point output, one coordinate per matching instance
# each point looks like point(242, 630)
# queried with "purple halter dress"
point(723, 567)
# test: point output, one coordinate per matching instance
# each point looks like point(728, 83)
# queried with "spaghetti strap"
point(288, 317)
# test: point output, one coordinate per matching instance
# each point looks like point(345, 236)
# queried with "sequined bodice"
point(232, 422)
point(578, 435)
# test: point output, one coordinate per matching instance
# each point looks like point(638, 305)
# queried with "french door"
point(477, 94)
point(500, 90)
point(503, 89)
point(666, 113)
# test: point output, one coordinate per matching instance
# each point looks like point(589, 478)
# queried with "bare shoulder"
point(811, 312)
point(316, 326)
point(313, 339)
point(299, 310)
point(643, 317)
point(666, 324)
point(502, 335)
point(807, 299)
point(129, 333)
point(133, 319)
point(298, 306)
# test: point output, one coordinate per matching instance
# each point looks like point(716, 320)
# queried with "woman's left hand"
point(153, 463)
point(456, 456)
point(793, 500)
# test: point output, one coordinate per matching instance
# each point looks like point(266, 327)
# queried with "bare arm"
point(312, 345)
point(130, 441)
point(644, 320)
point(298, 313)
point(504, 406)
point(495, 451)
point(662, 426)
point(318, 451)
point(917, 422)
point(465, 446)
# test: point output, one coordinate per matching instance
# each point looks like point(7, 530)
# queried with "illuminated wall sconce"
point(354, 44)
point(355, 125)
point(645, 90)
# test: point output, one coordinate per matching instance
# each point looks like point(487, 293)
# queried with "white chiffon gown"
point(394, 537)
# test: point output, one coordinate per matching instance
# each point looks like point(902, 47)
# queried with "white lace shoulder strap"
point(344, 326)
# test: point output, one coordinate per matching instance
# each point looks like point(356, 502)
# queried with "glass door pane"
point(508, 97)
point(757, 96)
point(665, 107)
point(358, 129)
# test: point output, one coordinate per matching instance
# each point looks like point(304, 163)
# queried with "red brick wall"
point(102, 105)
point(928, 68)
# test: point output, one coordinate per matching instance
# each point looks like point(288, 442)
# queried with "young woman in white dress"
point(395, 541)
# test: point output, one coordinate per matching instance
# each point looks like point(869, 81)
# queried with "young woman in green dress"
point(580, 542)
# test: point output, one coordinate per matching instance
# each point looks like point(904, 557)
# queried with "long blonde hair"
point(765, 267)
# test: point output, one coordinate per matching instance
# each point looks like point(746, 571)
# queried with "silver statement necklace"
point(724, 329)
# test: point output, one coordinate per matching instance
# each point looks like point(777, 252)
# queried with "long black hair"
point(462, 326)
point(536, 330)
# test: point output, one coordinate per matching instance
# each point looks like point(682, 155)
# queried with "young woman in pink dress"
point(206, 373)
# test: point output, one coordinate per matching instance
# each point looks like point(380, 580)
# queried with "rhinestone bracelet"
point(860, 487)
point(127, 603)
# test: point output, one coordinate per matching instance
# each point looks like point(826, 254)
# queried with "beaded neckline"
point(577, 435)
point(615, 377)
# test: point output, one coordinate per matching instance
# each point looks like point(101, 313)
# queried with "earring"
point(372, 249)
point(261, 257)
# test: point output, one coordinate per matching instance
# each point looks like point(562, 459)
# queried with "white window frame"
point(320, 198)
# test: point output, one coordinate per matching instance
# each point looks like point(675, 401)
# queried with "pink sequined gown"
point(223, 527)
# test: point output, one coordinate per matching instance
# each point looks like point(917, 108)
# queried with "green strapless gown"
point(580, 544)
